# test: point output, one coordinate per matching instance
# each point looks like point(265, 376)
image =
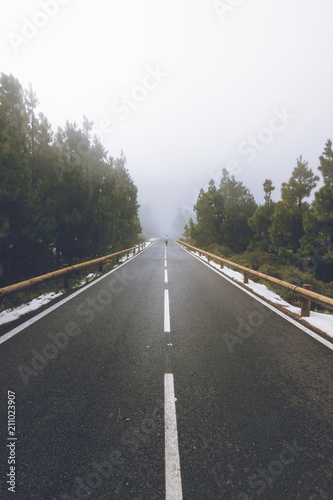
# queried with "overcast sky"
point(184, 87)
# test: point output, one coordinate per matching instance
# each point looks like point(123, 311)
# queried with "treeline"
point(62, 197)
point(298, 232)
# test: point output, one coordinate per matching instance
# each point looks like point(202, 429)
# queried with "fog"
point(185, 89)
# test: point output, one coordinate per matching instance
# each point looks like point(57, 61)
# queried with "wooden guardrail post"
point(65, 278)
point(305, 293)
point(306, 303)
point(100, 267)
point(246, 275)
point(62, 272)
point(221, 263)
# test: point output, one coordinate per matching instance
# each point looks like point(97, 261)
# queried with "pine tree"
point(317, 245)
point(261, 220)
point(288, 218)
point(326, 164)
point(300, 185)
point(268, 189)
point(60, 193)
point(222, 214)
point(239, 206)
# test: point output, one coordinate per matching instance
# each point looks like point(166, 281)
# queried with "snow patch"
point(13, 314)
point(324, 322)
point(88, 278)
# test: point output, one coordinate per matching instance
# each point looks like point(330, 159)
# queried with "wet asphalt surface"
point(254, 393)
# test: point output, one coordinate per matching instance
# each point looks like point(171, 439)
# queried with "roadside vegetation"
point(76, 279)
point(290, 239)
point(63, 198)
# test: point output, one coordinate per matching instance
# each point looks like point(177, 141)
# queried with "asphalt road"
point(253, 393)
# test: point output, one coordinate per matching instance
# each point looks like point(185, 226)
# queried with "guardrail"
point(304, 292)
point(64, 272)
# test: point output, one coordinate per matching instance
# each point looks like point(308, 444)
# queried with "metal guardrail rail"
point(24, 285)
point(304, 292)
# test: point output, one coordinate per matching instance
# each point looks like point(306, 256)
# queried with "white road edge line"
point(166, 312)
point(173, 482)
point(269, 306)
point(33, 320)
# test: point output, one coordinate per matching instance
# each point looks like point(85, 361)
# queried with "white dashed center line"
point(173, 482)
point(166, 312)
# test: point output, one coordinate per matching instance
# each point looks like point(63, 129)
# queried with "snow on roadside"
point(12, 314)
point(88, 278)
point(324, 322)
point(131, 254)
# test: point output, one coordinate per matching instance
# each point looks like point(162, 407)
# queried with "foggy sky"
point(185, 88)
